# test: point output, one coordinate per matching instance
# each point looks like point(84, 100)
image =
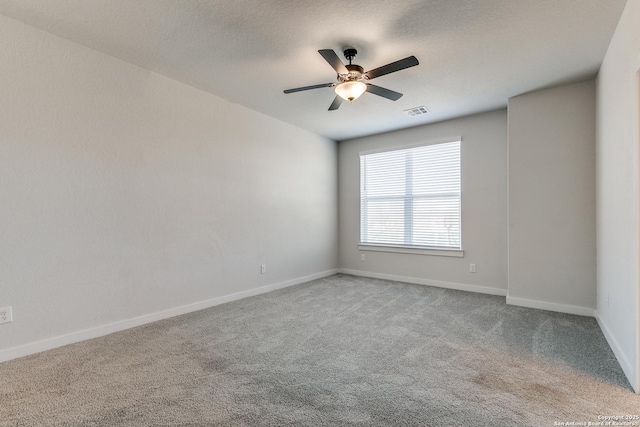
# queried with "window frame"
point(409, 249)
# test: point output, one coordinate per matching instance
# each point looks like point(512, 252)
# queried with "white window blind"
point(411, 197)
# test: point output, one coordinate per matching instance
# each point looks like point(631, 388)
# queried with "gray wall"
point(125, 193)
point(618, 181)
point(484, 206)
point(552, 241)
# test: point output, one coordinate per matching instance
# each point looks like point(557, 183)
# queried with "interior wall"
point(484, 207)
point(618, 122)
point(125, 193)
point(552, 237)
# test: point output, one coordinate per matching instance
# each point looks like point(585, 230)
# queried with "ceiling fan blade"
point(299, 89)
point(336, 103)
point(410, 61)
point(383, 92)
point(333, 60)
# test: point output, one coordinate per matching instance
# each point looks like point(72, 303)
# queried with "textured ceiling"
point(474, 54)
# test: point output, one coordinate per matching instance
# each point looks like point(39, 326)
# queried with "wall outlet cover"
point(6, 315)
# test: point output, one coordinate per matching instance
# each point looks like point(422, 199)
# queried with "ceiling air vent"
point(416, 111)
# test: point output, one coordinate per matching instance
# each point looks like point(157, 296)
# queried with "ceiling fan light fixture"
point(350, 91)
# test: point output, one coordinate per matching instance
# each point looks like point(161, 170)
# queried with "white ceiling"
point(474, 54)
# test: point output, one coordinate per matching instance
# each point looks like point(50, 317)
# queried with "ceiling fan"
point(353, 81)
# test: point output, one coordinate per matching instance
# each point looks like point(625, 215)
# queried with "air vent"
point(417, 111)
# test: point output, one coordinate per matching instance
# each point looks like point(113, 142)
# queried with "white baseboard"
point(626, 366)
point(74, 337)
point(427, 282)
point(551, 306)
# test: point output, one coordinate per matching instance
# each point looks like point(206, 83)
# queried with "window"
point(411, 197)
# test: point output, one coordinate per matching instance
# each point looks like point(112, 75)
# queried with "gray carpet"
point(337, 351)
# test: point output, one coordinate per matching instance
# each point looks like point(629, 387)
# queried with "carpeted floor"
point(337, 351)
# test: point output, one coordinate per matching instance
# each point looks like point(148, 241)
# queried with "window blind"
point(411, 197)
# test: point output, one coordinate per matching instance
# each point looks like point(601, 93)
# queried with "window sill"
point(458, 253)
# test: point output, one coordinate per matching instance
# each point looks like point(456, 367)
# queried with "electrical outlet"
point(6, 315)
point(472, 268)
point(263, 269)
point(363, 257)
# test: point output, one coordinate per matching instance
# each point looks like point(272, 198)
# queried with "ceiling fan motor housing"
point(356, 72)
